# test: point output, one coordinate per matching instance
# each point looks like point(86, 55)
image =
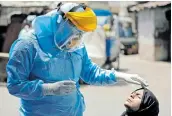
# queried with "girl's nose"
point(132, 95)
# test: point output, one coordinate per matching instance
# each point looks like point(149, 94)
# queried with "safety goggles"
point(68, 37)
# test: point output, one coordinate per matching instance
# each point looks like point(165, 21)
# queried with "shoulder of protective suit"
point(22, 47)
point(24, 43)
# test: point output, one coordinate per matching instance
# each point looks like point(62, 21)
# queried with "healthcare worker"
point(44, 67)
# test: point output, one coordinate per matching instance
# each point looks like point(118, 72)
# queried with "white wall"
point(161, 43)
point(146, 34)
point(150, 46)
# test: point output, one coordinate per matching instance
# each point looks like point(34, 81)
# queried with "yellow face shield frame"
point(85, 21)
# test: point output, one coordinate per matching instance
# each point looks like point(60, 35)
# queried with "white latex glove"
point(59, 88)
point(130, 78)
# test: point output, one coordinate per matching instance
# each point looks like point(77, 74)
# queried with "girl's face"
point(134, 100)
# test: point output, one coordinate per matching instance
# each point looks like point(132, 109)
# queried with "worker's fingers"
point(67, 82)
point(68, 89)
point(140, 80)
point(68, 86)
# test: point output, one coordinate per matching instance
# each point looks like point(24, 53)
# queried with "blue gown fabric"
point(34, 60)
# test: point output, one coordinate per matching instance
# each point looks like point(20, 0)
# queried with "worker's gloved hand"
point(59, 88)
point(130, 78)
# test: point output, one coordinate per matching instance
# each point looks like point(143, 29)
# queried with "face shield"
point(74, 23)
point(68, 37)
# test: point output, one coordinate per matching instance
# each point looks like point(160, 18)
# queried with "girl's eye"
point(138, 95)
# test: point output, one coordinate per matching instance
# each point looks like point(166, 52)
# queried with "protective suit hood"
point(45, 27)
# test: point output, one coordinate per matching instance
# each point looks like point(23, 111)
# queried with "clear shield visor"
point(67, 36)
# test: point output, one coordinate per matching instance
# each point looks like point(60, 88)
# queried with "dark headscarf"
point(149, 105)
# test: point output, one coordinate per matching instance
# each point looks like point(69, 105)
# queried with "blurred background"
point(131, 36)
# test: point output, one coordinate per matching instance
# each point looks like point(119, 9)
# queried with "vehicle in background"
point(106, 21)
point(129, 42)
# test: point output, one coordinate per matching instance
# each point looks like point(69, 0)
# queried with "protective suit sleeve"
point(93, 74)
point(18, 68)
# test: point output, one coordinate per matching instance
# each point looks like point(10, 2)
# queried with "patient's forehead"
point(140, 92)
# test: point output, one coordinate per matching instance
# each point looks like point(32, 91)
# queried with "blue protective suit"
point(35, 60)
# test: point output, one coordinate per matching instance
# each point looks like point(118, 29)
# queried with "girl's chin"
point(126, 104)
